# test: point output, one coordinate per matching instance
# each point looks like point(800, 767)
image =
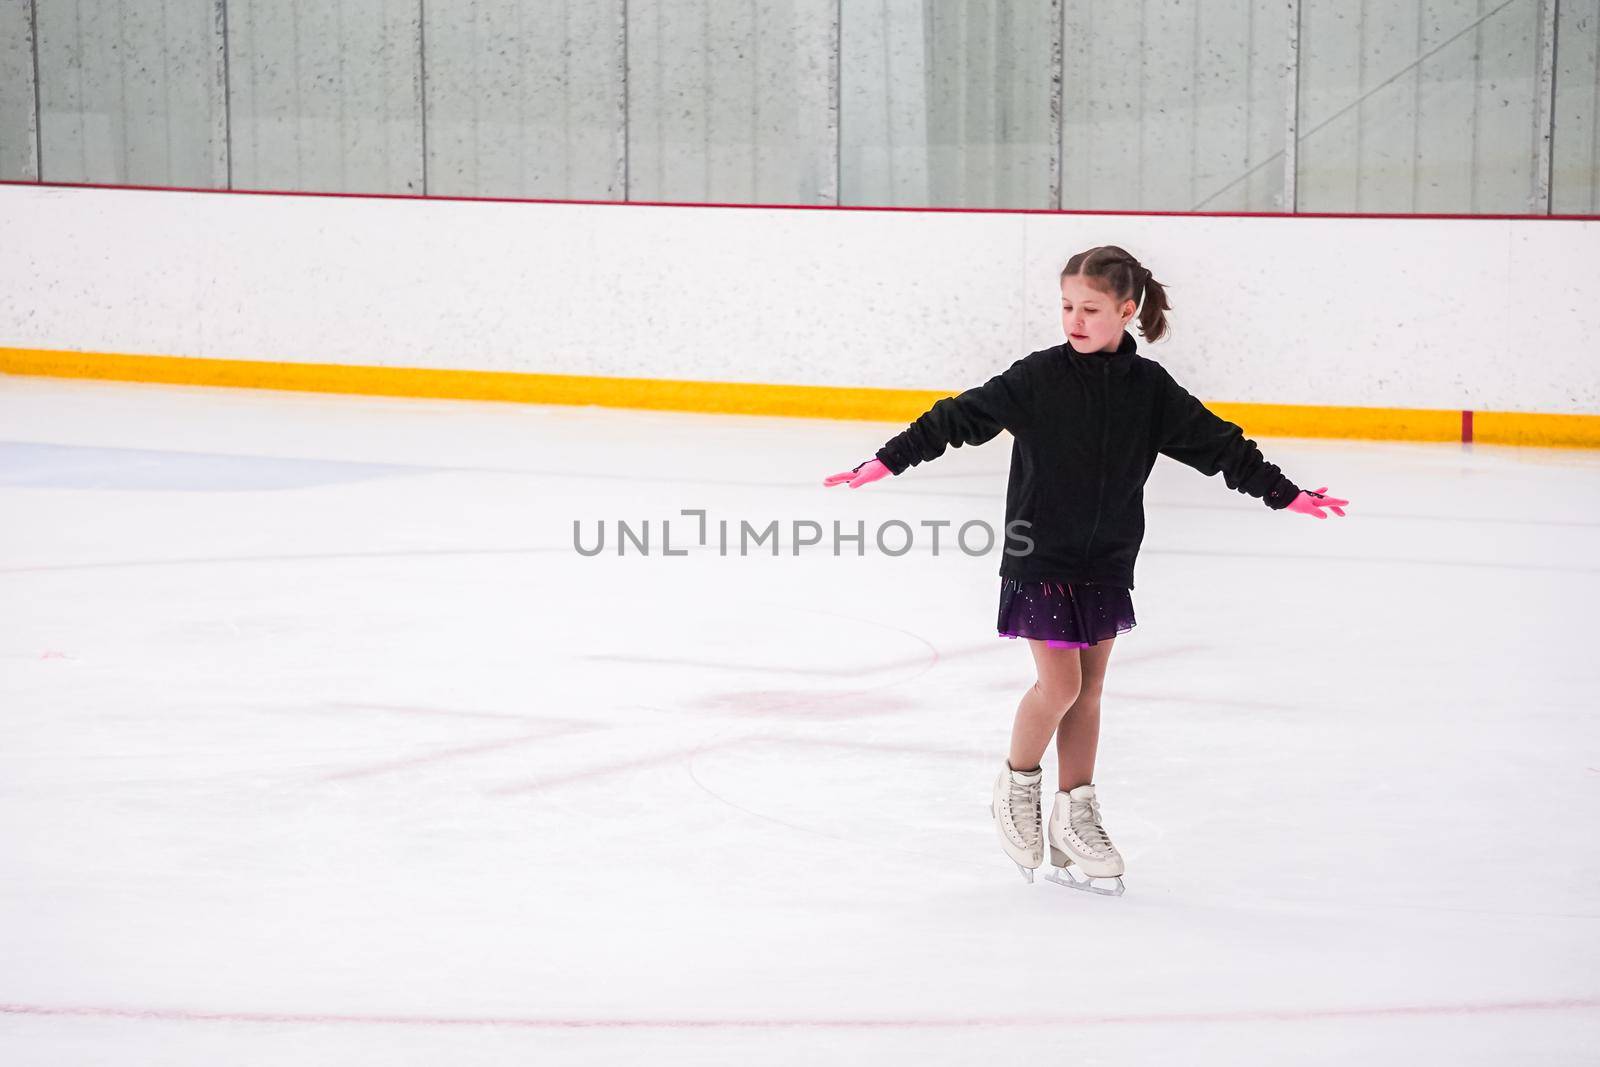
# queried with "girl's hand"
point(870, 471)
point(1312, 503)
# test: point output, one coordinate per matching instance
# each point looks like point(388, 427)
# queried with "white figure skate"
point(1077, 838)
point(1015, 808)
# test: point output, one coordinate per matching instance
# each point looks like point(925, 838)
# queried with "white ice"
point(323, 745)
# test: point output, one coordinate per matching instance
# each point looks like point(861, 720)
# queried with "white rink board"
point(1407, 313)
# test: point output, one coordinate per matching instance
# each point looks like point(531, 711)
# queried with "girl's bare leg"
point(1078, 736)
point(1045, 702)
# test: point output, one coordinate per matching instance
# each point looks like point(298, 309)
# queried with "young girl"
point(1088, 419)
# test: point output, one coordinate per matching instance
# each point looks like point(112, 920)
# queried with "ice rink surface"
point(323, 745)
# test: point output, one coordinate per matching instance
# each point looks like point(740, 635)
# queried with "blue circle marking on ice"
point(29, 465)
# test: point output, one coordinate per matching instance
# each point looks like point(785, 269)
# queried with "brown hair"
point(1116, 272)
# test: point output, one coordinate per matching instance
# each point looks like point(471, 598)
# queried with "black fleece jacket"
point(1086, 431)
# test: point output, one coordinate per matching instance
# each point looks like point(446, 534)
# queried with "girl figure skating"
point(1088, 419)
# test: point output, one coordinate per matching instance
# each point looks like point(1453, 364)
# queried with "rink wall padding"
point(1398, 328)
point(889, 405)
point(719, 397)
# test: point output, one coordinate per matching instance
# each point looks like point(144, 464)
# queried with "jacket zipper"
point(1105, 439)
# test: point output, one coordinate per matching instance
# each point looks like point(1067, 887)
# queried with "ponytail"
point(1125, 278)
point(1153, 308)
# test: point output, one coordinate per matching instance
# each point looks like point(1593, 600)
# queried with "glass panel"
point(326, 95)
point(17, 142)
point(525, 98)
point(948, 105)
point(1418, 106)
point(1172, 105)
point(1575, 173)
point(130, 93)
point(732, 103)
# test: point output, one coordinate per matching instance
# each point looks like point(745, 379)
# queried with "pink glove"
point(1312, 503)
point(870, 471)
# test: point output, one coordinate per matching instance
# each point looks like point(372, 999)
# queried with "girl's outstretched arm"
point(973, 417)
point(1193, 434)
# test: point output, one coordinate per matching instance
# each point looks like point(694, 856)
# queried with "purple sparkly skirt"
point(1074, 615)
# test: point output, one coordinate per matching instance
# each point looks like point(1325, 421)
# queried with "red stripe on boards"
point(811, 207)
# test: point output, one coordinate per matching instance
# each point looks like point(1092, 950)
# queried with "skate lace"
point(1086, 824)
point(1024, 805)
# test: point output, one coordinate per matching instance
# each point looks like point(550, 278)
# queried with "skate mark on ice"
point(749, 668)
point(925, 661)
point(932, 1022)
point(986, 755)
point(606, 768)
point(307, 557)
point(1220, 700)
point(441, 755)
point(1367, 561)
point(824, 703)
point(419, 709)
point(819, 704)
point(871, 845)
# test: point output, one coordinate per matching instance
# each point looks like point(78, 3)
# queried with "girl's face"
point(1092, 319)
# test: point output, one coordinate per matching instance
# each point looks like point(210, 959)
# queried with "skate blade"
point(1065, 877)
